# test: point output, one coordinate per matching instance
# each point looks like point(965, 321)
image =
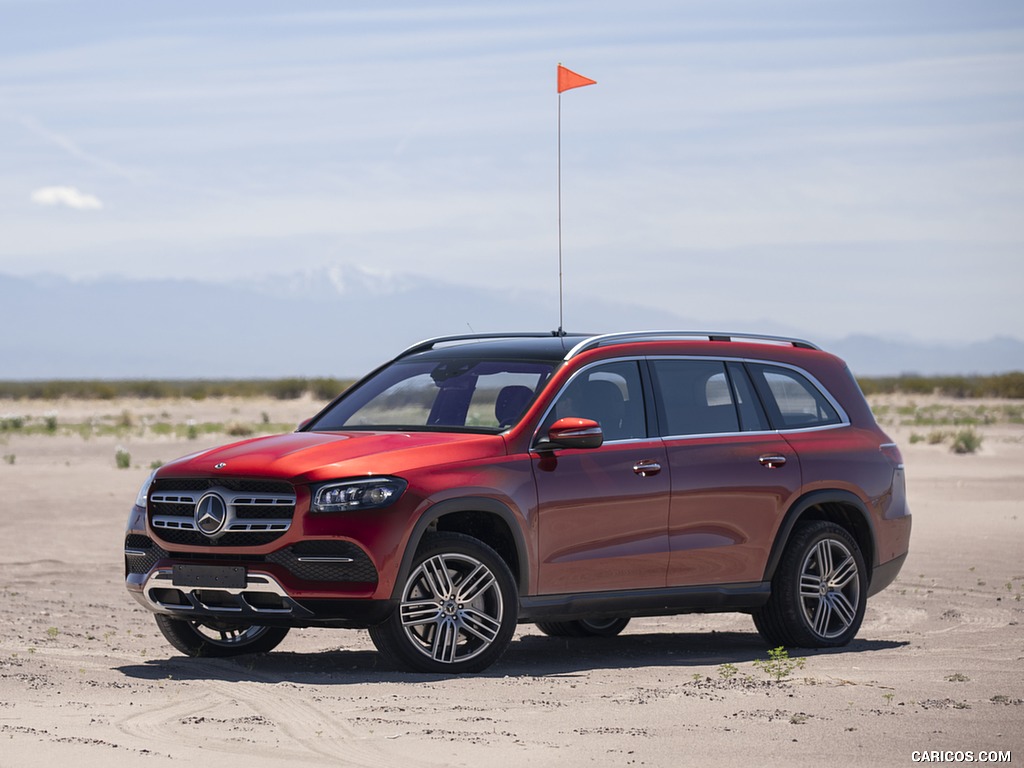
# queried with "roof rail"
point(427, 344)
point(614, 338)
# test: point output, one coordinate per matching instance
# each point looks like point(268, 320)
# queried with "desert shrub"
point(966, 441)
point(238, 429)
point(122, 458)
point(11, 423)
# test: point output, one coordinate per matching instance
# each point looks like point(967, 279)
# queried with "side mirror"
point(573, 432)
point(303, 424)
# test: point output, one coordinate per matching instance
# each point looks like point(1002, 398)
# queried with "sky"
point(840, 167)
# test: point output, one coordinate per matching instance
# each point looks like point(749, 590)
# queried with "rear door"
point(732, 476)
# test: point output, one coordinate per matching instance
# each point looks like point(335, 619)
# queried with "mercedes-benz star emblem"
point(211, 514)
point(221, 465)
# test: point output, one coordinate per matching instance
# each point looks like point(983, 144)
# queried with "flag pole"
point(559, 184)
point(567, 79)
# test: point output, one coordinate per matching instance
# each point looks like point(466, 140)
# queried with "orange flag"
point(568, 79)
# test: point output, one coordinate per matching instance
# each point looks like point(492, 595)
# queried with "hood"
point(316, 456)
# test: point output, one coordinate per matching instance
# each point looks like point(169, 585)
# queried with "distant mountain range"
point(339, 322)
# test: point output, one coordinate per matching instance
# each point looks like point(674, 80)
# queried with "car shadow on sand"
point(527, 656)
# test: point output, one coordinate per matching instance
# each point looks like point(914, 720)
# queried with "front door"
point(603, 512)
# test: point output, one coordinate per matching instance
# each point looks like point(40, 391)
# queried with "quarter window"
point(793, 401)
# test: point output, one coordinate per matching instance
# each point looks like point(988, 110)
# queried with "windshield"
point(457, 394)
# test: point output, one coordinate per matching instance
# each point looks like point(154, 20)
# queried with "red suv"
point(570, 481)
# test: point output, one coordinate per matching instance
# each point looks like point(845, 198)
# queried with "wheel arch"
point(485, 519)
point(837, 506)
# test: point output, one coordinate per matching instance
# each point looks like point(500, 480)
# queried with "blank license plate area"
point(210, 576)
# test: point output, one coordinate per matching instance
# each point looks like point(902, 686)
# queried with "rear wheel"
point(217, 639)
point(819, 591)
point(583, 627)
point(457, 610)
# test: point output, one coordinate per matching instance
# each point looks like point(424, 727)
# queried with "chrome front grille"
point(255, 512)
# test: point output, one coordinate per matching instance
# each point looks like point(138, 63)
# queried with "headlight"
point(371, 493)
point(140, 499)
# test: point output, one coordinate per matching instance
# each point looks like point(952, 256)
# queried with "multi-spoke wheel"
point(819, 591)
point(457, 609)
point(211, 638)
point(583, 627)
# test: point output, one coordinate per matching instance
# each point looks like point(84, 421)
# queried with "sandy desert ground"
point(86, 680)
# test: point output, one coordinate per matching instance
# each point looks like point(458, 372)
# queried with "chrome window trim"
point(762, 432)
point(844, 418)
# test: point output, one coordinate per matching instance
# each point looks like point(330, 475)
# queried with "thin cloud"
point(69, 196)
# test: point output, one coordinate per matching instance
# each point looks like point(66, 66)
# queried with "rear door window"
point(695, 397)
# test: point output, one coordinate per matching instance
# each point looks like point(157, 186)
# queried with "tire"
point(213, 639)
point(457, 610)
point(809, 611)
point(583, 627)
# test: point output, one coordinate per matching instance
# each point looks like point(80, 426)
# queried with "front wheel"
point(216, 639)
point(457, 610)
point(819, 592)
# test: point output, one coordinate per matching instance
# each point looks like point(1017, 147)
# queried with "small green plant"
point(778, 664)
point(916, 437)
point(52, 632)
point(966, 441)
point(51, 423)
point(888, 697)
point(11, 423)
point(122, 458)
point(238, 429)
point(957, 677)
point(727, 671)
point(9, 458)
point(193, 431)
point(156, 464)
point(935, 437)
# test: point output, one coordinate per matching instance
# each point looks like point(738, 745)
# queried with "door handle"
point(772, 460)
point(647, 467)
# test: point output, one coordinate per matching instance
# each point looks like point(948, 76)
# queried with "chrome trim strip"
point(163, 578)
point(135, 553)
point(316, 559)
